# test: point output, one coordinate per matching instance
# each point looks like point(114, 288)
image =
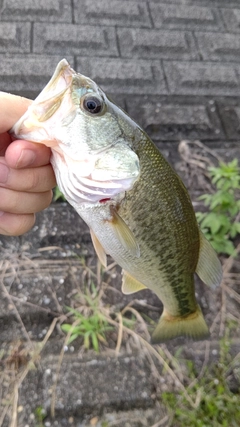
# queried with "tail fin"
point(191, 326)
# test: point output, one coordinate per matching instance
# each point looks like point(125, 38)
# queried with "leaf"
point(223, 246)
point(95, 342)
point(66, 327)
point(73, 337)
point(200, 216)
point(87, 340)
point(222, 200)
point(207, 198)
point(58, 195)
point(235, 229)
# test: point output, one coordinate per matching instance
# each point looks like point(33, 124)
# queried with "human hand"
point(26, 175)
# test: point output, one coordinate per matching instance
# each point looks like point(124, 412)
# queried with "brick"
point(209, 3)
point(197, 78)
point(37, 10)
point(129, 13)
point(141, 43)
point(172, 120)
point(124, 76)
point(98, 384)
point(38, 292)
point(131, 376)
point(230, 117)
point(231, 19)
point(185, 17)
point(219, 46)
point(26, 75)
point(15, 37)
point(70, 39)
point(217, 3)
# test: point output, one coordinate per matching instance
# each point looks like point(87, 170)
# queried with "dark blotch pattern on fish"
point(168, 227)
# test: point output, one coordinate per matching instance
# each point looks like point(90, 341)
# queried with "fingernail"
point(26, 158)
point(4, 171)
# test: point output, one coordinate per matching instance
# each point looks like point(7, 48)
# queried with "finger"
point(19, 202)
point(15, 225)
point(34, 180)
point(21, 154)
point(12, 107)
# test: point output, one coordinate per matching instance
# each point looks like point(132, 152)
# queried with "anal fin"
point(130, 284)
point(209, 268)
point(99, 249)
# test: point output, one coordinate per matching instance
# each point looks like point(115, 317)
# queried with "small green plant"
point(221, 223)
point(40, 415)
point(92, 326)
point(215, 404)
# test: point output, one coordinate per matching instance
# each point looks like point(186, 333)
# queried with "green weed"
point(221, 224)
point(40, 415)
point(215, 404)
point(92, 326)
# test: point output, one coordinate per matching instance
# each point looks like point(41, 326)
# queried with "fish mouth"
point(58, 84)
point(45, 105)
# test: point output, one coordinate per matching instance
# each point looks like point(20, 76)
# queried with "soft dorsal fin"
point(124, 234)
point(130, 284)
point(209, 268)
point(99, 249)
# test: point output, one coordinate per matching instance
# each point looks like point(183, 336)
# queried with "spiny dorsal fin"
point(130, 284)
point(209, 268)
point(124, 234)
point(99, 249)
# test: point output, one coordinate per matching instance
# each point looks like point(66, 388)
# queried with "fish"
point(136, 206)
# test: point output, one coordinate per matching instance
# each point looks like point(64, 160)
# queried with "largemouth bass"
point(137, 208)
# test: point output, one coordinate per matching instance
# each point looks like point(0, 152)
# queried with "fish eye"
point(92, 104)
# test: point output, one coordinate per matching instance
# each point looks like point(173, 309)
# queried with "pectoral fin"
point(99, 249)
point(124, 234)
point(130, 284)
point(209, 268)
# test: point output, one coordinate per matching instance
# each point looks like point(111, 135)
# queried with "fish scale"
point(174, 260)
